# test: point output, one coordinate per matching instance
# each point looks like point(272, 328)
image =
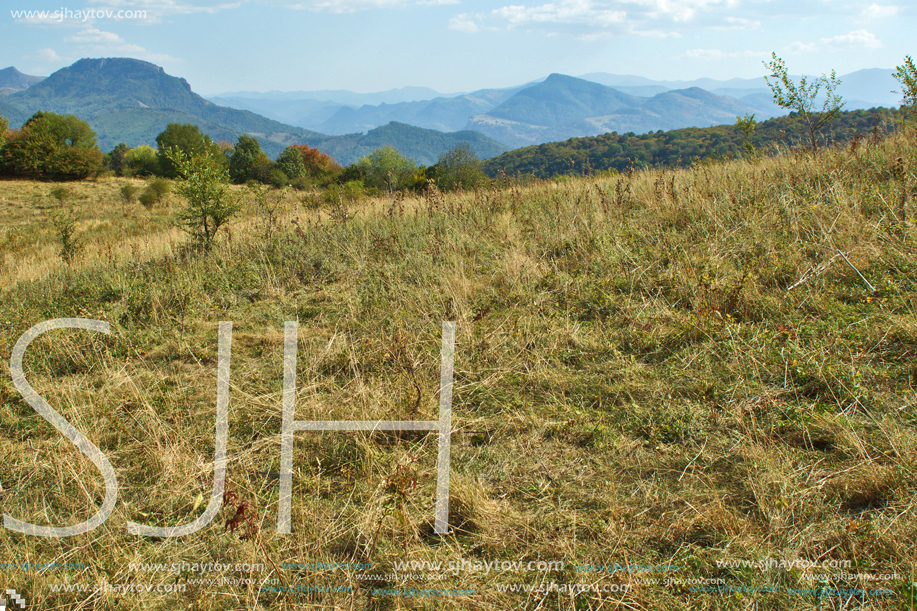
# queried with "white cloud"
point(593, 19)
point(879, 11)
point(44, 56)
point(802, 47)
point(714, 54)
point(96, 41)
point(94, 36)
point(464, 23)
point(857, 39)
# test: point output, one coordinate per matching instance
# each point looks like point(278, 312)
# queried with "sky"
point(454, 45)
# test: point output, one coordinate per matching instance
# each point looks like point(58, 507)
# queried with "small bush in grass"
point(147, 199)
point(155, 191)
point(65, 228)
point(128, 193)
point(61, 194)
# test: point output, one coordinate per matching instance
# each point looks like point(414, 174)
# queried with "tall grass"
point(657, 368)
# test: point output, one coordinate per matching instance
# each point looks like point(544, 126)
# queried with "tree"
point(140, 161)
point(802, 97)
point(386, 169)
point(747, 125)
point(317, 165)
point(459, 167)
point(117, 158)
point(52, 146)
point(4, 125)
point(203, 185)
point(249, 162)
point(906, 74)
point(290, 163)
point(187, 138)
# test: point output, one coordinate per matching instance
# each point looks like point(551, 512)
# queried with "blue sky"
point(456, 45)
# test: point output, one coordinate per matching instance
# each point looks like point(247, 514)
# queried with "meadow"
point(662, 377)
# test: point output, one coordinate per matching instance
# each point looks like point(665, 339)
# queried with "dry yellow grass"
point(636, 384)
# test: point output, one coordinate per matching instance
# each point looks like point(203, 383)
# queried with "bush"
point(140, 161)
point(157, 189)
point(459, 167)
point(128, 192)
point(147, 199)
point(203, 185)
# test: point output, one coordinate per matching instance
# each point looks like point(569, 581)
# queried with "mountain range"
point(340, 112)
point(132, 101)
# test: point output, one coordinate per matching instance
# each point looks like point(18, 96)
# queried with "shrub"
point(203, 185)
point(128, 192)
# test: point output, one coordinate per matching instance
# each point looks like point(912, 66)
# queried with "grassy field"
point(671, 372)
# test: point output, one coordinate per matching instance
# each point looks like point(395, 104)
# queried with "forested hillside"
point(680, 147)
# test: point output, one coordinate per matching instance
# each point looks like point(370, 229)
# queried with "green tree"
point(386, 169)
point(459, 167)
point(4, 125)
point(747, 125)
point(249, 162)
point(117, 158)
point(906, 74)
point(141, 161)
point(802, 97)
point(290, 163)
point(190, 141)
point(203, 185)
point(52, 146)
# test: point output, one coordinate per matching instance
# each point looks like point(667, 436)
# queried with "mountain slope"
point(422, 145)
point(13, 80)
point(565, 107)
point(132, 101)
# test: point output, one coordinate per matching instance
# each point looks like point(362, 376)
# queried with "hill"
point(12, 80)
point(563, 106)
point(680, 147)
point(660, 379)
point(131, 101)
point(422, 145)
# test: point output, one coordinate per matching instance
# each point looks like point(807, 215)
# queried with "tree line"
point(63, 147)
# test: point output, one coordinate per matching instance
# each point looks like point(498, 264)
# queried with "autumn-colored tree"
point(317, 164)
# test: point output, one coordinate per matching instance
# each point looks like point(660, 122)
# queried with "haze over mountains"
point(132, 101)
point(336, 113)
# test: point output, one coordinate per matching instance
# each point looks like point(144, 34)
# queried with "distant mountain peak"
point(14, 80)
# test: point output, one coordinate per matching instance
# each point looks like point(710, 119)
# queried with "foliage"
point(55, 146)
point(290, 162)
point(318, 166)
point(128, 193)
point(190, 141)
point(677, 148)
point(157, 189)
point(906, 74)
point(802, 97)
point(203, 185)
point(65, 227)
point(248, 162)
point(457, 168)
point(4, 125)
point(141, 161)
point(117, 159)
point(61, 194)
point(385, 169)
point(746, 125)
